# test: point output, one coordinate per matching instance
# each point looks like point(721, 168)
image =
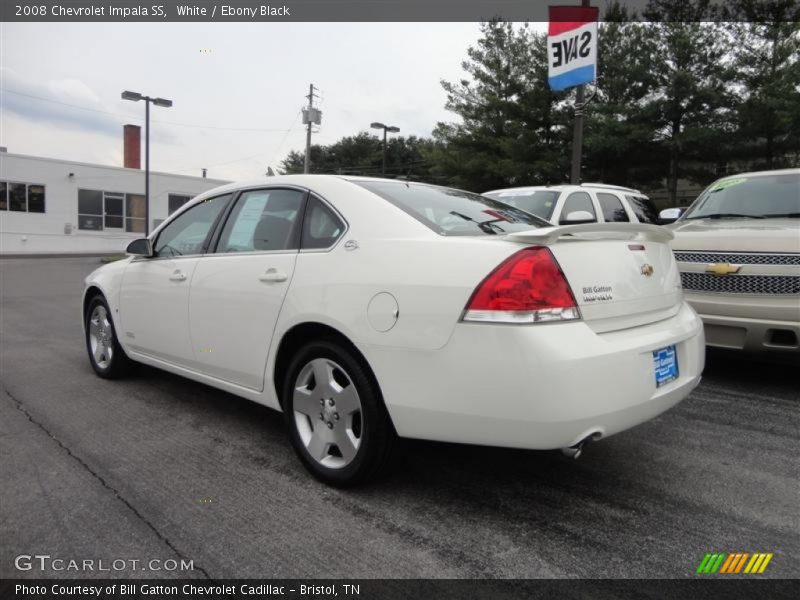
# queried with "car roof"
point(567, 187)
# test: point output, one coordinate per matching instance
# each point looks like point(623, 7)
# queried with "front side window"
point(3, 195)
point(321, 227)
point(612, 208)
point(187, 233)
point(453, 212)
point(577, 201)
point(644, 209)
point(538, 202)
point(754, 197)
point(263, 221)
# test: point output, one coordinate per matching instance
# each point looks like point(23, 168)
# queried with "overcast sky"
point(249, 76)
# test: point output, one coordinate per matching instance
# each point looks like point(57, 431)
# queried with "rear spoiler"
point(593, 231)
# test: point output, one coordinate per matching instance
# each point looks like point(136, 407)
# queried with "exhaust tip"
point(574, 452)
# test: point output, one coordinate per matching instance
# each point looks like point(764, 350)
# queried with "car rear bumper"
point(750, 323)
point(539, 386)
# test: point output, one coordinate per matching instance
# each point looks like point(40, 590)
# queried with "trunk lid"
point(622, 274)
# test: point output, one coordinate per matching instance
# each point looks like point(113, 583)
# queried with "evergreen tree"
point(691, 110)
point(767, 66)
point(511, 131)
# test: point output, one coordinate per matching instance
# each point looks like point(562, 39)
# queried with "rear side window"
point(263, 221)
point(454, 212)
point(612, 208)
point(321, 227)
point(644, 209)
point(577, 201)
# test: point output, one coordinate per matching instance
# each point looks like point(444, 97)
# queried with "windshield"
point(453, 212)
point(537, 202)
point(749, 197)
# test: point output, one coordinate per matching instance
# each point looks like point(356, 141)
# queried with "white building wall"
point(45, 233)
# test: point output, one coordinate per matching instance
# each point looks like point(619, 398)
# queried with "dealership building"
point(50, 206)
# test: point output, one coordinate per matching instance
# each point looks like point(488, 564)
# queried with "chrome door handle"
point(177, 276)
point(273, 275)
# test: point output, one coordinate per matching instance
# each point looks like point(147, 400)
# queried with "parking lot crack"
point(20, 407)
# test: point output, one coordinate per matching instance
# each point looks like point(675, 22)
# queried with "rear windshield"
point(454, 212)
point(755, 197)
point(644, 209)
point(537, 202)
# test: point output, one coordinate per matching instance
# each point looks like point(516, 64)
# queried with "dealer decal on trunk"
point(597, 293)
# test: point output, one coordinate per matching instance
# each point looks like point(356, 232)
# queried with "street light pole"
point(386, 129)
point(136, 97)
point(147, 168)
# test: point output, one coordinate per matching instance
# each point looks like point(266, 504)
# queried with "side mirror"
point(140, 247)
point(576, 217)
point(669, 215)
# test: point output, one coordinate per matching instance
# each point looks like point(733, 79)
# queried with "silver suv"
point(586, 203)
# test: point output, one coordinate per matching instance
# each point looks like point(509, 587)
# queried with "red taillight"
point(528, 287)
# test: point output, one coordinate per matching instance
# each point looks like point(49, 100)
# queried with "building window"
point(175, 201)
point(21, 197)
point(16, 197)
point(90, 210)
point(35, 198)
point(134, 213)
point(110, 210)
point(113, 218)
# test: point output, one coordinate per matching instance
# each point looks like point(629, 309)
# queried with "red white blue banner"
point(572, 46)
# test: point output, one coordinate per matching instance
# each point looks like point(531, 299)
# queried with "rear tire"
point(107, 357)
point(334, 410)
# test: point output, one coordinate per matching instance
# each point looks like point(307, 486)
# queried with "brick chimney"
point(133, 147)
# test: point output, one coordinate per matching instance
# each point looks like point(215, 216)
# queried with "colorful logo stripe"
point(734, 563)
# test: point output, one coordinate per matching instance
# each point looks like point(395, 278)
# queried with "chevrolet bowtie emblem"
point(723, 268)
point(647, 270)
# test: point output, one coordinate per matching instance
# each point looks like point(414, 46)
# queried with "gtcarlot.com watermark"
point(45, 562)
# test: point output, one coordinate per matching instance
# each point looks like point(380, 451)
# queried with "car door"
point(154, 295)
point(238, 289)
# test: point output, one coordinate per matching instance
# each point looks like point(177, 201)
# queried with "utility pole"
point(310, 116)
point(577, 132)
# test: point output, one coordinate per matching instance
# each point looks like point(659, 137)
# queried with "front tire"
point(334, 410)
point(107, 357)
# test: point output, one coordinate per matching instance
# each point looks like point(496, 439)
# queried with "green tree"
point(510, 130)
point(767, 65)
point(620, 145)
point(691, 111)
point(362, 154)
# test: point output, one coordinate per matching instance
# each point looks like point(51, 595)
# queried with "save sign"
point(572, 46)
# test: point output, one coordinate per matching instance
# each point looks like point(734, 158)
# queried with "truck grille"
point(741, 284)
point(737, 258)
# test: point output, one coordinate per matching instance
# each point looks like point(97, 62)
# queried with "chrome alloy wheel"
point(327, 412)
point(101, 337)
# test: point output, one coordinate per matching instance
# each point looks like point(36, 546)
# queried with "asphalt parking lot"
point(158, 467)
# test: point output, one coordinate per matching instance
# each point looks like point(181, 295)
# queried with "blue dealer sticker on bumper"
point(665, 363)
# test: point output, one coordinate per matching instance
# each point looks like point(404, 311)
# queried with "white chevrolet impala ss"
point(368, 309)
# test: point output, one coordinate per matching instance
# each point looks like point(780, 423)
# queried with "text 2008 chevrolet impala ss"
point(367, 309)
